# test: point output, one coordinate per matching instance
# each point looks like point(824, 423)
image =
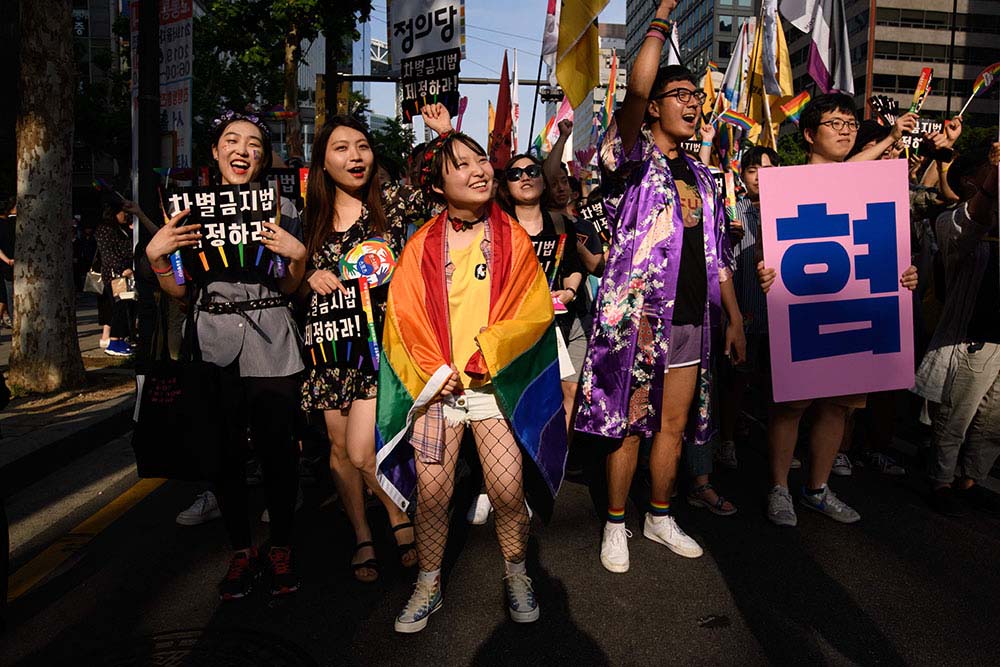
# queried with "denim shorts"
point(472, 405)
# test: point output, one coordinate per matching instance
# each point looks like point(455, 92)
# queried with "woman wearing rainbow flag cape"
point(246, 328)
point(648, 369)
point(348, 207)
point(468, 341)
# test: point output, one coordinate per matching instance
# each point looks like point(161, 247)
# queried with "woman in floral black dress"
point(347, 205)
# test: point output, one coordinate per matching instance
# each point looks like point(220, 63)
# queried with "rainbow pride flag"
point(517, 349)
point(793, 107)
point(737, 119)
point(985, 79)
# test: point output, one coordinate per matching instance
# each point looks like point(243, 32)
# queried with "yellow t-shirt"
point(468, 303)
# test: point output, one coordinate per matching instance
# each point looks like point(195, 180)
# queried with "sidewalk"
point(41, 433)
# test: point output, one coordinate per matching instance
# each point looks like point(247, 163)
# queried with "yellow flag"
point(769, 115)
point(493, 116)
point(709, 87)
point(578, 56)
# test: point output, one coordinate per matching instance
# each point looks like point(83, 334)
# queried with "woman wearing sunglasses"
point(521, 193)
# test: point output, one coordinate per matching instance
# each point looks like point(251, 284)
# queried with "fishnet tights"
point(501, 460)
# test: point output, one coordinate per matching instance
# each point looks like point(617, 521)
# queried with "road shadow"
point(554, 639)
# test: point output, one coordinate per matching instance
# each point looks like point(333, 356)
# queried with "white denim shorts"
point(473, 405)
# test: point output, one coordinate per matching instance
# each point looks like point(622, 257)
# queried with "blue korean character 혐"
point(826, 329)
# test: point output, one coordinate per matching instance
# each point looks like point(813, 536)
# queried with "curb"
point(115, 420)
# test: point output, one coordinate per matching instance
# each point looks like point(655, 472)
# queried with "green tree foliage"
point(249, 51)
point(792, 147)
point(103, 119)
point(393, 144)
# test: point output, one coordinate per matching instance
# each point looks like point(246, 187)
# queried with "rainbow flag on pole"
point(983, 82)
point(986, 78)
point(517, 351)
point(793, 107)
point(737, 119)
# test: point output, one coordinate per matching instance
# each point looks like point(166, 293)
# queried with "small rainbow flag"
point(983, 82)
point(793, 107)
point(736, 119)
point(986, 79)
point(279, 115)
point(712, 65)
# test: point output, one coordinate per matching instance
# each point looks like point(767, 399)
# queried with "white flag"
point(550, 39)
point(829, 53)
point(673, 57)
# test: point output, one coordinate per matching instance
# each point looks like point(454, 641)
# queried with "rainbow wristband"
point(662, 25)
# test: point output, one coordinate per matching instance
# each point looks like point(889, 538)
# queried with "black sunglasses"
point(532, 170)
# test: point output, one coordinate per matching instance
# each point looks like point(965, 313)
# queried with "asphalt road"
point(903, 586)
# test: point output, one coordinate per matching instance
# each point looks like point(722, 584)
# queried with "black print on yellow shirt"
point(480, 272)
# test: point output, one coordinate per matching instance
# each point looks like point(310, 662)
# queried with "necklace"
point(460, 225)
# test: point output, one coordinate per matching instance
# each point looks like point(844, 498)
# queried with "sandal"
point(404, 549)
point(370, 564)
point(718, 507)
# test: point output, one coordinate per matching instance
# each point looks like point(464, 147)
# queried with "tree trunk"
point(45, 351)
point(293, 126)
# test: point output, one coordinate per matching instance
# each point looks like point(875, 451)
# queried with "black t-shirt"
point(984, 327)
point(692, 277)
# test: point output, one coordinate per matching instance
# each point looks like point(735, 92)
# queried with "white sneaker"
point(204, 508)
point(842, 465)
point(265, 516)
point(665, 530)
point(479, 511)
point(614, 547)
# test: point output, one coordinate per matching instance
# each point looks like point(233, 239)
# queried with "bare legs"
point(678, 392)
point(352, 462)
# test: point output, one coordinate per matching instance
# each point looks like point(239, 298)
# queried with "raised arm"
point(905, 123)
point(551, 167)
point(640, 82)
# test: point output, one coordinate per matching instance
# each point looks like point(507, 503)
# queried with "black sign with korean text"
point(430, 79)
point(341, 329)
point(232, 219)
point(548, 249)
point(287, 180)
point(596, 215)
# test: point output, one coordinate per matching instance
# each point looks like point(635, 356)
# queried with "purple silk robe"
point(621, 385)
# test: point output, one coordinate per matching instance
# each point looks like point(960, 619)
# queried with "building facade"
point(908, 36)
point(707, 29)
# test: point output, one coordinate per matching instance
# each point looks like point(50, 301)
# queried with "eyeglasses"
point(838, 124)
point(532, 170)
point(683, 95)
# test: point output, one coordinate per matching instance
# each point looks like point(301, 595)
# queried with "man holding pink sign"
point(840, 326)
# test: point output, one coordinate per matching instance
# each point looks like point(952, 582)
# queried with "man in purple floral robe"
point(666, 280)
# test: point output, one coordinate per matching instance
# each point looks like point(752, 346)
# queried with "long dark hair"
point(265, 140)
point(504, 198)
point(321, 190)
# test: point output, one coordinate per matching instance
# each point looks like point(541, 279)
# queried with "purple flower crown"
point(229, 116)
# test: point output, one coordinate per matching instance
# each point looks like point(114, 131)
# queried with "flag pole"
point(534, 106)
point(752, 69)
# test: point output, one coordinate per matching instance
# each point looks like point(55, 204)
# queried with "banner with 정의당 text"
point(838, 236)
point(420, 27)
